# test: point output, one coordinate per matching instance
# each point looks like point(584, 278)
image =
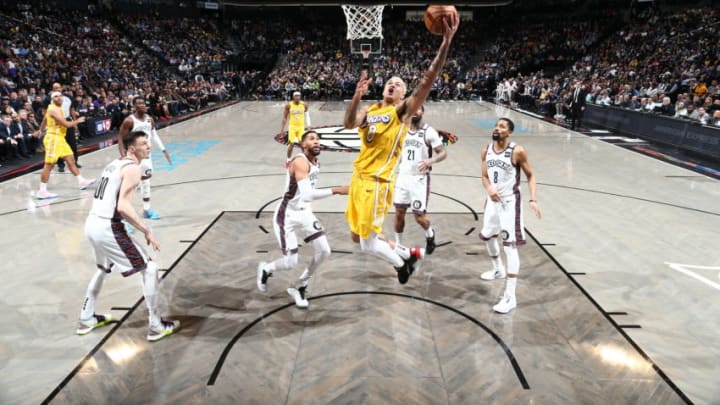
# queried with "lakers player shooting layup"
point(382, 127)
point(139, 120)
point(502, 161)
point(294, 217)
point(421, 150)
point(114, 250)
point(296, 112)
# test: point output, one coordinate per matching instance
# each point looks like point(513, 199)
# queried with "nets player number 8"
point(100, 190)
point(495, 177)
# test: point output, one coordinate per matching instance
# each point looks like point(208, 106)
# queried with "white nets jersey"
point(418, 146)
point(144, 125)
point(503, 174)
point(107, 190)
point(291, 198)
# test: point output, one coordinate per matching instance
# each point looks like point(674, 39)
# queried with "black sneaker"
point(402, 273)
point(61, 169)
point(430, 245)
point(416, 254)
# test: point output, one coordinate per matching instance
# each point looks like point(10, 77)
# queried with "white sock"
point(146, 205)
point(402, 251)
point(398, 238)
point(429, 233)
point(510, 284)
point(151, 283)
point(80, 178)
point(304, 278)
point(93, 289)
point(513, 268)
point(497, 264)
point(43, 187)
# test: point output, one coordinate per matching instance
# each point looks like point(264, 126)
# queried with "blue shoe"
point(150, 214)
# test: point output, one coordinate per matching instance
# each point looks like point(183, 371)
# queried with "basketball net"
point(363, 22)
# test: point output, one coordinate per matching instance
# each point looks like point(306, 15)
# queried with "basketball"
point(434, 16)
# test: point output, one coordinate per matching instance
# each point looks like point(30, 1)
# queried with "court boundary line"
point(617, 326)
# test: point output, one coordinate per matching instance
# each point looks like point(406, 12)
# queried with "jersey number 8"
point(371, 133)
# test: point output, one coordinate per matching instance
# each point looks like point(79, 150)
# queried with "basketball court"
point(616, 302)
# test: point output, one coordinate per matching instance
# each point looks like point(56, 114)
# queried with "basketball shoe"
point(166, 328)
point(298, 295)
point(86, 326)
point(493, 274)
point(507, 303)
point(262, 277)
point(411, 264)
point(150, 214)
point(85, 183)
point(45, 195)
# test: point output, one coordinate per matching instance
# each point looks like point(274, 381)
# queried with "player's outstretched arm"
point(342, 190)
point(417, 98)
point(159, 142)
point(521, 159)
point(354, 116)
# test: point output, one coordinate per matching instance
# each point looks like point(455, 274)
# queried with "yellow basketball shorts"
point(294, 134)
point(56, 147)
point(369, 201)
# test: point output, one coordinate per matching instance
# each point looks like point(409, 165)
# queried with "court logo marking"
point(180, 152)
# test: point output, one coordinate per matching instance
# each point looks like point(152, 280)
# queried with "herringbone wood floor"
point(365, 347)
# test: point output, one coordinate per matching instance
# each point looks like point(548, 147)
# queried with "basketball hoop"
point(365, 50)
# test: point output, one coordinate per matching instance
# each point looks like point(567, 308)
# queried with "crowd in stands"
point(100, 68)
point(191, 44)
point(665, 63)
point(317, 62)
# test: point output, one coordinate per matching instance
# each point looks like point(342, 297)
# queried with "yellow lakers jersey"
point(382, 135)
point(297, 114)
point(53, 128)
